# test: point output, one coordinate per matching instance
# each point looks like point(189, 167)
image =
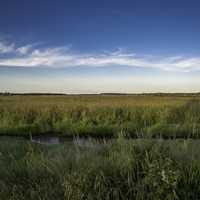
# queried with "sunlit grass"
point(101, 116)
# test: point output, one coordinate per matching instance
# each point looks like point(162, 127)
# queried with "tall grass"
point(95, 116)
point(142, 169)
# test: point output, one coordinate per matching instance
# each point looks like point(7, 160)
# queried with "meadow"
point(140, 147)
point(134, 116)
point(120, 169)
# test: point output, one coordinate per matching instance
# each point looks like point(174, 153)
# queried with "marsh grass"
point(121, 169)
point(101, 116)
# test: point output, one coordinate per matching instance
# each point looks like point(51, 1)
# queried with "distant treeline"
point(36, 94)
point(154, 94)
point(111, 94)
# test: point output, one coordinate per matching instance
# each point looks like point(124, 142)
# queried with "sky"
point(93, 46)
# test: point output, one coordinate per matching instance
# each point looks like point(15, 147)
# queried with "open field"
point(121, 169)
point(133, 116)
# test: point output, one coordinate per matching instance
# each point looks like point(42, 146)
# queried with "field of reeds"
point(136, 116)
point(120, 169)
point(136, 163)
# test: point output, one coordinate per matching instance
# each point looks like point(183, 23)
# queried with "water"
point(48, 140)
point(82, 142)
point(55, 140)
point(40, 139)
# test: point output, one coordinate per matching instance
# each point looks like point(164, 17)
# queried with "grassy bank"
point(101, 116)
point(142, 169)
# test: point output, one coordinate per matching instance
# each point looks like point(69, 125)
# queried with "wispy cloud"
point(56, 57)
point(6, 48)
point(24, 49)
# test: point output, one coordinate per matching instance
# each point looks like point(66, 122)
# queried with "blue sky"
point(94, 46)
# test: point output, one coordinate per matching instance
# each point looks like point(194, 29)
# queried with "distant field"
point(101, 115)
point(93, 100)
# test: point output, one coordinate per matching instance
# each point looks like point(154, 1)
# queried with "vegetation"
point(137, 116)
point(122, 169)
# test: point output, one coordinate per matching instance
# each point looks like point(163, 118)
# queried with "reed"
point(121, 169)
point(101, 116)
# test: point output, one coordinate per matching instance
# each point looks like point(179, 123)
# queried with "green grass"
point(141, 169)
point(144, 169)
point(101, 116)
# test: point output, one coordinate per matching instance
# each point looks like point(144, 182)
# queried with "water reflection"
point(45, 139)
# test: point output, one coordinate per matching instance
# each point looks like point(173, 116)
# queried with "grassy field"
point(122, 169)
point(136, 116)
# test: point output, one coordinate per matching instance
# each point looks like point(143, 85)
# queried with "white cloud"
point(24, 49)
point(29, 56)
point(4, 48)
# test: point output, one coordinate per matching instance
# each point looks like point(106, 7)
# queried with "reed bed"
point(121, 169)
point(101, 116)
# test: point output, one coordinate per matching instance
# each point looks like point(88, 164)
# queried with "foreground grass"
point(101, 116)
point(142, 169)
